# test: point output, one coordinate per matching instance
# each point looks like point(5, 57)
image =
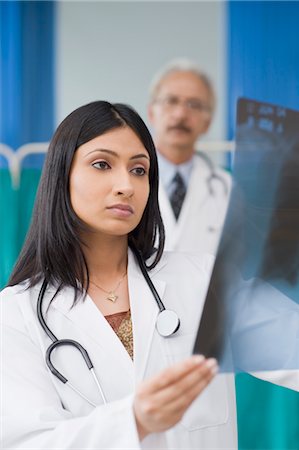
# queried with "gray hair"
point(182, 65)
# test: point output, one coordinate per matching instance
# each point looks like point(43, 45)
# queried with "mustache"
point(180, 126)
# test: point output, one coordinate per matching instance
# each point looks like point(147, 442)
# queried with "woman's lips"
point(121, 210)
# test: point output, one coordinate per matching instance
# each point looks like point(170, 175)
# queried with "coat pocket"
point(211, 407)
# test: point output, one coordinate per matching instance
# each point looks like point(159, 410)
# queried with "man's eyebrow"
point(111, 152)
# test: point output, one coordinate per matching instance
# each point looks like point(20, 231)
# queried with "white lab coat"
point(41, 412)
point(202, 215)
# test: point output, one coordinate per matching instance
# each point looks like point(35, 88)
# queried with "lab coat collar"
point(144, 311)
point(168, 170)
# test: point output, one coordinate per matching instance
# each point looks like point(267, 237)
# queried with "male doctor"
point(193, 193)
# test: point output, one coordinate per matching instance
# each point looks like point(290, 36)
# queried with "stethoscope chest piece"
point(167, 323)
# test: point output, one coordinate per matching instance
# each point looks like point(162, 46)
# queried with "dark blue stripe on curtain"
point(27, 72)
point(263, 54)
point(263, 64)
point(10, 72)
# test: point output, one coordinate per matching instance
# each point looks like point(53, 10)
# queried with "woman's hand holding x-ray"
point(161, 401)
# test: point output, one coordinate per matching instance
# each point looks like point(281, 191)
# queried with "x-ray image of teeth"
point(250, 320)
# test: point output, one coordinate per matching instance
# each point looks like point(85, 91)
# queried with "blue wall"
point(26, 72)
point(263, 54)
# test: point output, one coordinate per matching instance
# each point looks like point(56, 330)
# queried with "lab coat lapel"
point(168, 215)
point(144, 313)
point(197, 193)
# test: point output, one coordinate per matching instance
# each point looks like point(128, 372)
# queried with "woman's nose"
point(123, 186)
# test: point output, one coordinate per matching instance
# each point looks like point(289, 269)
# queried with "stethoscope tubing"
point(167, 324)
point(213, 175)
point(64, 342)
point(149, 281)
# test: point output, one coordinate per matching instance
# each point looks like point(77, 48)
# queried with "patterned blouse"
point(121, 324)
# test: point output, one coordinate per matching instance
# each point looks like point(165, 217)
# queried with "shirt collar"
point(167, 170)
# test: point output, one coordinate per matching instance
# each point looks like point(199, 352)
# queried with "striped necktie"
point(178, 195)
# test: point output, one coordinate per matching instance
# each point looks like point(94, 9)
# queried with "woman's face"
point(109, 182)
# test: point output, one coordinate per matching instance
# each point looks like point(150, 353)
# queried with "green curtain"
point(15, 214)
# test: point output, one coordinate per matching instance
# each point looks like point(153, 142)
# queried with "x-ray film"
point(250, 320)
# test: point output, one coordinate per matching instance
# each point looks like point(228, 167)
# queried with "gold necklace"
point(112, 297)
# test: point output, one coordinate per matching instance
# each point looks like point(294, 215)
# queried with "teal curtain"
point(8, 225)
point(268, 415)
point(15, 216)
point(263, 64)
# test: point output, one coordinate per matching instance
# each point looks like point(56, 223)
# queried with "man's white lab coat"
point(203, 212)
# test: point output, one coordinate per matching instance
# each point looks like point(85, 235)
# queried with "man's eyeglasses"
point(192, 104)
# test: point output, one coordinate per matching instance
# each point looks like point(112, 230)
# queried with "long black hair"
point(53, 249)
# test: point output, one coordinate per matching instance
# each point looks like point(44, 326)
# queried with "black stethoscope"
point(167, 323)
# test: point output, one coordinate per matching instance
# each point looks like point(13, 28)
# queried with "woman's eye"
point(139, 171)
point(102, 165)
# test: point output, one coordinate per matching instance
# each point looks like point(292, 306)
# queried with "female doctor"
point(86, 360)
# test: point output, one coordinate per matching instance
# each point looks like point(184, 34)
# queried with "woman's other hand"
point(161, 401)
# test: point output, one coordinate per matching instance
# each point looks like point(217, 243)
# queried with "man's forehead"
point(183, 82)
